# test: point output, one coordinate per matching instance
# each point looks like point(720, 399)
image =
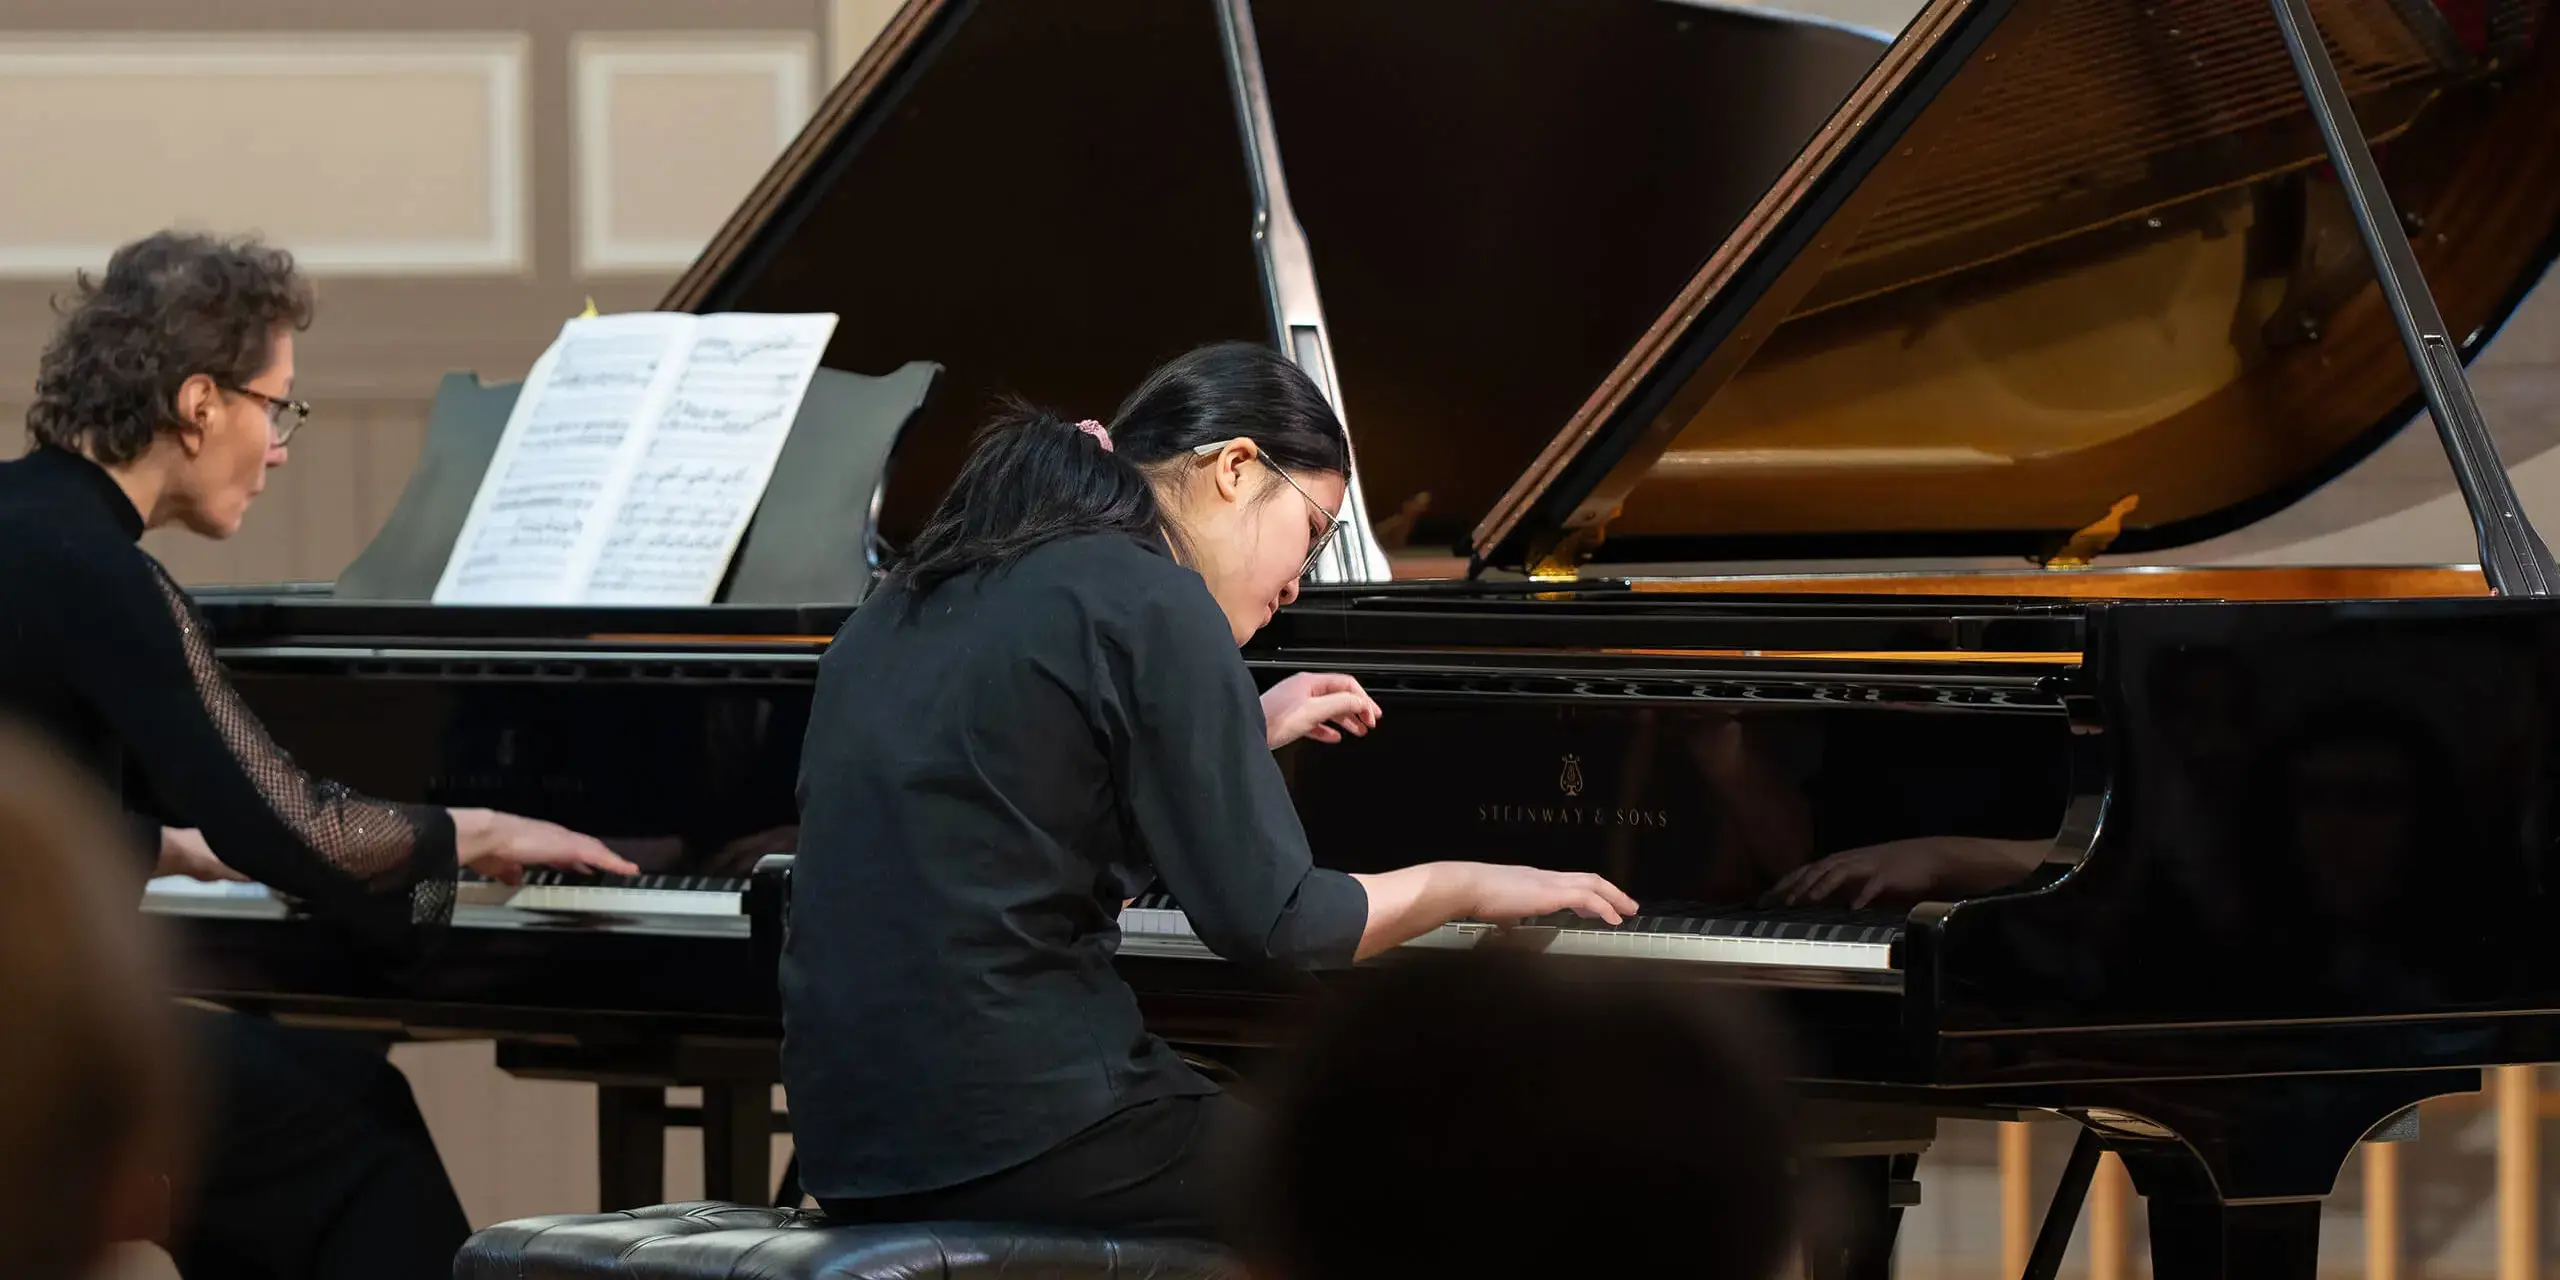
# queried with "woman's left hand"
point(1319, 706)
point(183, 852)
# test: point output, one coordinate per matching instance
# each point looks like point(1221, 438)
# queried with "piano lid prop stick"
point(1289, 284)
point(2512, 556)
point(2064, 1213)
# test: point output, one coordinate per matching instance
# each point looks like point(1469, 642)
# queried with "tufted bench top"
point(713, 1241)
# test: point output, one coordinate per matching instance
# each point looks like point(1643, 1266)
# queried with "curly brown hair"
point(170, 306)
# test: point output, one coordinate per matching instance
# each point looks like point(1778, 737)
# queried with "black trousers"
point(1160, 1168)
point(314, 1163)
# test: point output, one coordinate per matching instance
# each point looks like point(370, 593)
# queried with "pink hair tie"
point(1100, 433)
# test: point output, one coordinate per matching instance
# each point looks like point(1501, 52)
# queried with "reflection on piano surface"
point(2290, 831)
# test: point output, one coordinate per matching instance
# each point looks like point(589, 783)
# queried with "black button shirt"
point(985, 779)
point(101, 651)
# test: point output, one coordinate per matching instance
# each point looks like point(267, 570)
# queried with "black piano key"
point(645, 880)
point(1808, 924)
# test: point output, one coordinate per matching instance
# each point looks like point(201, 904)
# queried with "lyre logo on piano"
point(1570, 781)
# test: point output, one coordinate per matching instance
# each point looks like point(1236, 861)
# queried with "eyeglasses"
point(284, 417)
point(1332, 522)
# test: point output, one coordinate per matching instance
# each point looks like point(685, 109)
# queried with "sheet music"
point(724, 424)
point(634, 459)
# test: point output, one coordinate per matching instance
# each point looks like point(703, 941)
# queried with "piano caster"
point(1867, 1195)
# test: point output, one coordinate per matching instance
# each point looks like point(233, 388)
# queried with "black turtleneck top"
point(100, 649)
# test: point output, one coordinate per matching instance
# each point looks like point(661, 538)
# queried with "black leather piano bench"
point(708, 1240)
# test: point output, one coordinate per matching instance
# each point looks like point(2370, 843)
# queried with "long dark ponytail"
point(1035, 477)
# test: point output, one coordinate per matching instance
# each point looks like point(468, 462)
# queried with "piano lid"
point(1051, 199)
point(2052, 255)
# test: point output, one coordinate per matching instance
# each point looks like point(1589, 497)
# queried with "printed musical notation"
point(636, 455)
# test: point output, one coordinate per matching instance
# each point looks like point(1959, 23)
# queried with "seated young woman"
point(1040, 713)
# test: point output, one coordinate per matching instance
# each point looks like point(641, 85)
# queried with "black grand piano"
point(1618, 292)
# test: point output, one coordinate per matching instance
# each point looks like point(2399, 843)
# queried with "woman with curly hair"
point(163, 400)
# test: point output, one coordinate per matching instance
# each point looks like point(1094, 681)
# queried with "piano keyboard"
point(1153, 925)
point(543, 890)
point(1782, 938)
point(643, 895)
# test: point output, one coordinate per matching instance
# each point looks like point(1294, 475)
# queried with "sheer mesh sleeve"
point(133, 645)
point(373, 842)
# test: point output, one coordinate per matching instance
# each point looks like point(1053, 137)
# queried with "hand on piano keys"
point(1499, 891)
point(501, 845)
point(1413, 901)
point(1829, 945)
point(183, 852)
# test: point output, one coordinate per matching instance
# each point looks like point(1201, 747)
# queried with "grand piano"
point(1616, 293)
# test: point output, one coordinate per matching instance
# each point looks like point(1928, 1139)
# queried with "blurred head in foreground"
point(1485, 1116)
point(86, 1077)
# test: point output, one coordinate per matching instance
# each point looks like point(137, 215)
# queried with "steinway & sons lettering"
point(1570, 815)
point(1570, 783)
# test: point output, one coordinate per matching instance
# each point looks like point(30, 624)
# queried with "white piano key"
point(618, 901)
point(189, 887)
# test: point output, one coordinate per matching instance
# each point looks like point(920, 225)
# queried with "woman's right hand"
point(501, 845)
point(1407, 903)
point(1501, 892)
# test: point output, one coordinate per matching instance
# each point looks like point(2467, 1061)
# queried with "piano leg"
point(631, 1078)
point(631, 1146)
point(737, 1142)
point(1865, 1199)
point(2235, 1169)
point(2202, 1240)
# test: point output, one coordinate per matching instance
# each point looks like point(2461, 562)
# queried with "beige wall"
point(460, 176)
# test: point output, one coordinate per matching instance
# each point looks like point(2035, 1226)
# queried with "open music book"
point(634, 459)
